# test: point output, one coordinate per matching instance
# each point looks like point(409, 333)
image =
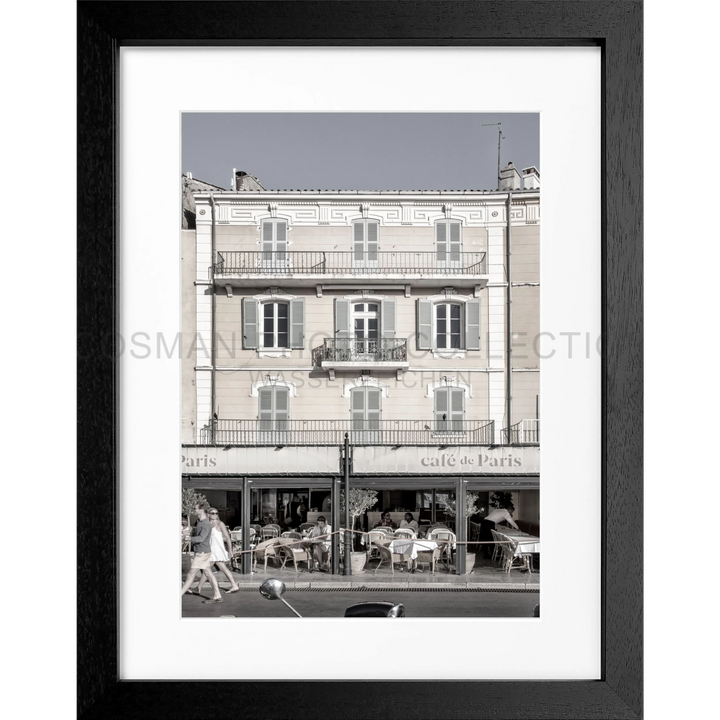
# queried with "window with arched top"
point(448, 323)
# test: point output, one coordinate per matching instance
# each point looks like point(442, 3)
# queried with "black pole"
point(347, 565)
point(245, 517)
point(335, 524)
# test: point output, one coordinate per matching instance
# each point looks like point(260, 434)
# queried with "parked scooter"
point(273, 589)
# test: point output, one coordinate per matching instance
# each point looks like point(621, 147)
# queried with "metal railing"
point(361, 350)
point(250, 433)
point(525, 432)
point(258, 262)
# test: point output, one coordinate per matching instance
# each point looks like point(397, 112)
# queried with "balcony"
point(318, 433)
point(365, 354)
point(525, 432)
point(260, 268)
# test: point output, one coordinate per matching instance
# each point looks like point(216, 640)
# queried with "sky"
point(358, 151)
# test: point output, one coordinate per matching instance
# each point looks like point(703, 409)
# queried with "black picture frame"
point(613, 25)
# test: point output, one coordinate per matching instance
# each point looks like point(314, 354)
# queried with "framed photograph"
point(106, 33)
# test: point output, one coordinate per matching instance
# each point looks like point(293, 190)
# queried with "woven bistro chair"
point(498, 547)
point(264, 550)
point(405, 533)
point(306, 526)
point(446, 539)
point(269, 532)
point(386, 554)
point(429, 557)
point(374, 541)
point(291, 549)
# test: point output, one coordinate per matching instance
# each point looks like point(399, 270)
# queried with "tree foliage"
point(190, 499)
point(471, 507)
point(360, 501)
point(501, 499)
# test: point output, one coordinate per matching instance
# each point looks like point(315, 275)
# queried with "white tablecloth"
point(525, 543)
point(410, 547)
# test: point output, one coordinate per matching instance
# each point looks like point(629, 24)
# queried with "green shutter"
point(267, 238)
point(472, 325)
point(424, 324)
point(281, 411)
point(250, 323)
point(357, 407)
point(280, 240)
point(297, 323)
point(265, 408)
point(373, 408)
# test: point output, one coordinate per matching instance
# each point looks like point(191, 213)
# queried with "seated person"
point(408, 522)
point(320, 546)
point(386, 521)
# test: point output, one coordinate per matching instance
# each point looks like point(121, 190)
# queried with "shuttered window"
point(274, 325)
point(448, 325)
point(365, 242)
point(274, 241)
point(273, 409)
point(365, 405)
point(448, 242)
point(449, 409)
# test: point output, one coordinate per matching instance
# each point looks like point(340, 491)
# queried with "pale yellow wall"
point(526, 325)
point(391, 238)
point(526, 388)
point(319, 324)
point(525, 246)
point(320, 398)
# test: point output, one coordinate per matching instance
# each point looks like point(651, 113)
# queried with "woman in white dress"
point(218, 554)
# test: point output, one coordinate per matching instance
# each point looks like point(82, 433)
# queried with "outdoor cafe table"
point(410, 546)
point(526, 544)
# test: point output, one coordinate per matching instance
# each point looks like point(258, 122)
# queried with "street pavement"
point(332, 603)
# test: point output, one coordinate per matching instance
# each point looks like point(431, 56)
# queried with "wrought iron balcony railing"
point(525, 432)
point(250, 433)
point(258, 262)
point(362, 350)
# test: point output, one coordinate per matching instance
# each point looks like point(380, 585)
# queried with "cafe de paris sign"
point(448, 460)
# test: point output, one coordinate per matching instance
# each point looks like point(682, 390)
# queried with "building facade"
point(404, 321)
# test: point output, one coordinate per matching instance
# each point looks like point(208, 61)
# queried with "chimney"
point(531, 178)
point(239, 175)
point(509, 178)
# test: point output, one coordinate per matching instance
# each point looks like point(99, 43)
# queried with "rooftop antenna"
point(500, 138)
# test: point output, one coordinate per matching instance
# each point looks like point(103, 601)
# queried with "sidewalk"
point(484, 576)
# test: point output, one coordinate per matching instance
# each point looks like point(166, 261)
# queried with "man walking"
point(202, 560)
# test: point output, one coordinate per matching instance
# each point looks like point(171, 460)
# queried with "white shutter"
point(388, 319)
point(357, 407)
point(472, 325)
point(373, 408)
point(297, 323)
point(441, 241)
point(281, 411)
point(442, 415)
point(265, 408)
point(457, 409)
point(250, 323)
point(359, 242)
point(267, 239)
point(342, 321)
point(455, 242)
point(372, 241)
point(280, 240)
point(424, 324)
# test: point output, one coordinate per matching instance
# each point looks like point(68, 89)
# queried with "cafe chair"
point(405, 533)
point(498, 548)
point(239, 527)
point(383, 529)
point(387, 554)
point(375, 540)
point(268, 532)
point(429, 557)
point(265, 550)
point(290, 550)
point(257, 528)
point(511, 559)
point(291, 534)
point(307, 526)
point(446, 539)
